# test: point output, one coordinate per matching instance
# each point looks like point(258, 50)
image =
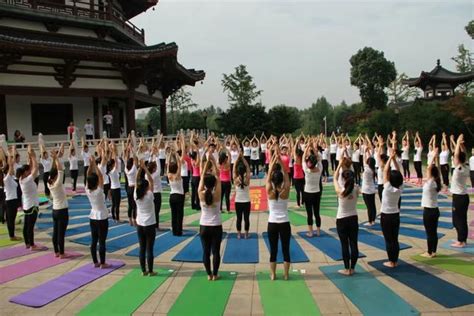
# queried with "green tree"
point(371, 72)
point(464, 63)
point(398, 92)
point(244, 120)
point(314, 117)
point(179, 101)
point(470, 29)
point(284, 119)
point(240, 88)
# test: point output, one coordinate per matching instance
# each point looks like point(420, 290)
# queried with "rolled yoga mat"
point(362, 285)
point(137, 289)
point(373, 240)
point(436, 289)
point(201, 297)
point(164, 243)
point(296, 252)
point(448, 263)
point(113, 232)
point(291, 297)
point(327, 244)
point(63, 285)
point(241, 250)
point(33, 265)
point(192, 252)
point(404, 231)
point(19, 251)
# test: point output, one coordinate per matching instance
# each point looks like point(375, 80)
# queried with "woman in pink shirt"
point(298, 174)
point(225, 177)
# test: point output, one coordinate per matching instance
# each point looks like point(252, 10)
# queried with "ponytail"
point(241, 170)
point(349, 182)
point(53, 174)
point(436, 178)
point(208, 198)
point(209, 184)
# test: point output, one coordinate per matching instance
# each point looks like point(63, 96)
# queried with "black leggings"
point(348, 230)
point(157, 201)
point(419, 172)
point(146, 240)
point(333, 162)
point(162, 165)
point(60, 220)
point(312, 202)
point(369, 200)
point(132, 205)
point(85, 174)
point(280, 231)
point(430, 221)
point(177, 213)
point(471, 173)
point(356, 166)
point(116, 197)
point(74, 174)
point(243, 209)
point(106, 190)
point(194, 193)
point(99, 230)
point(185, 184)
point(29, 225)
point(445, 174)
point(255, 164)
point(460, 206)
point(211, 238)
point(299, 187)
point(3, 206)
point(225, 188)
point(390, 228)
point(45, 183)
point(325, 168)
point(380, 191)
point(12, 209)
point(406, 168)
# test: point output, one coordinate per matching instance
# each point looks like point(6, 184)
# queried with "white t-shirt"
point(459, 180)
point(145, 209)
point(131, 175)
point(247, 151)
point(115, 175)
point(58, 193)
point(430, 157)
point(108, 119)
point(390, 197)
point(325, 154)
point(103, 170)
point(380, 175)
point(356, 156)
point(157, 188)
point(347, 206)
point(242, 195)
point(311, 183)
point(46, 163)
point(278, 211)
point(444, 157)
point(368, 181)
point(254, 153)
point(176, 187)
point(89, 129)
point(98, 208)
point(73, 163)
point(85, 157)
point(184, 169)
point(418, 151)
point(234, 154)
point(161, 153)
point(430, 194)
point(333, 148)
point(29, 191)
point(210, 215)
point(10, 186)
point(471, 163)
point(339, 152)
point(405, 153)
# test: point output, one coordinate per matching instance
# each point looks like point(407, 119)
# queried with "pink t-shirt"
point(196, 171)
point(225, 175)
point(298, 171)
point(285, 159)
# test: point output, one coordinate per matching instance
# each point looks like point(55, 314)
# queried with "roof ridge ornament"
point(438, 62)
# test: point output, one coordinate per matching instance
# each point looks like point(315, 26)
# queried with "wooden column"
point(130, 113)
point(3, 116)
point(97, 116)
point(163, 127)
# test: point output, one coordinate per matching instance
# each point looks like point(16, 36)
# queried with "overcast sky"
point(298, 51)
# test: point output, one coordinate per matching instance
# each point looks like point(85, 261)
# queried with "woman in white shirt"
point(278, 191)
point(12, 200)
point(177, 192)
point(85, 158)
point(73, 165)
point(325, 161)
point(459, 192)
point(255, 156)
point(146, 219)
point(46, 163)
point(312, 190)
point(131, 176)
point(390, 217)
point(333, 152)
point(247, 150)
point(368, 189)
point(242, 195)
point(429, 202)
point(382, 160)
point(444, 160)
point(98, 218)
point(417, 159)
point(356, 163)
point(210, 223)
point(60, 205)
point(346, 220)
point(113, 171)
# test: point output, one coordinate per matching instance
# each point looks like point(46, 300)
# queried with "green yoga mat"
point(278, 296)
point(126, 296)
point(165, 217)
point(203, 297)
point(225, 217)
point(449, 263)
point(297, 218)
point(7, 242)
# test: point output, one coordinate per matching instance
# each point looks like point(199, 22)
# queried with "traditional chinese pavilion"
point(439, 83)
point(69, 60)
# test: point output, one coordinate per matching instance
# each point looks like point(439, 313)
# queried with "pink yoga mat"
point(65, 284)
point(18, 251)
point(30, 266)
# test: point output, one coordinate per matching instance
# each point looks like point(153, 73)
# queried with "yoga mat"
point(201, 297)
point(297, 219)
point(112, 233)
point(449, 263)
point(327, 244)
point(137, 288)
point(440, 204)
point(33, 265)
point(225, 217)
point(291, 297)
point(72, 221)
point(419, 212)
point(7, 242)
point(125, 241)
point(363, 285)
point(436, 289)
point(296, 252)
point(405, 231)
point(18, 251)
point(468, 249)
point(419, 221)
point(72, 214)
point(164, 243)
point(63, 285)
point(241, 250)
point(192, 252)
point(373, 240)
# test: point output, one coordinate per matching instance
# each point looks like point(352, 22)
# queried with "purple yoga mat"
point(18, 251)
point(30, 266)
point(65, 284)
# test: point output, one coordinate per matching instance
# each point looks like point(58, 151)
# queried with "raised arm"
point(33, 162)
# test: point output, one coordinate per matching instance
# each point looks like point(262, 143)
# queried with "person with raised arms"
point(242, 195)
point(368, 184)
point(46, 162)
point(298, 174)
point(225, 178)
point(73, 165)
point(312, 190)
point(85, 157)
point(417, 159)
point(176, 199)
point(155, 171)
point(131, 170)
point(255, 155)
point(444, 160)
point(406, 156)
point(12, 198)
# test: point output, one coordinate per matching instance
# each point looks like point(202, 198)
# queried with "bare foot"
point(238, 235)
point(105, 266)
point(63, 256)
point(15, 238)
point(309, 234)
point(209, 277)
point(27, 246)
point(318, 231)
point(36, 248)
point(216, 277)
point(145, 273)
point(96, 265)
point(425, 255)
point(344, 272)
point(153, 273)
point(352, 271)
point(246, 235)
point(458, 244)
point(272, 276)
point(390, 264)
point(286, 277)
point(433, 254)
point(56, 255)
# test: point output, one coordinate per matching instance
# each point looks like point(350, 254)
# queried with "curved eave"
point(427, 77)
point(132, 8)
point(190, 76)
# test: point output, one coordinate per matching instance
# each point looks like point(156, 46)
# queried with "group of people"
point(209, 168)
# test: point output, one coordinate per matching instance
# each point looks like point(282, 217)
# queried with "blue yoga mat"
point(419, 212)
point(327, 244)
point(468, 249)
point(241, 250)
point(296, 252)
point(164, 243)
point(406, 231)
point(73, 221)
point(419, 221)
point(440, 204)
point(113, 232)
point(436, 289)
point(373, 240)
point(417, 197)
point(72, 214)
point(192, 252)
point(361, 286)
